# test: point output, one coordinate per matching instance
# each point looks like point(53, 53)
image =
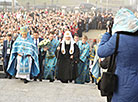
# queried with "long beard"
point(67, 42)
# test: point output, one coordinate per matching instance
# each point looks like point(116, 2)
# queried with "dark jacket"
point(4, 51)
point(40, 39)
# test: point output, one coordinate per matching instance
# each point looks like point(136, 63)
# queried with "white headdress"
point(71, 51)
point(126, 21)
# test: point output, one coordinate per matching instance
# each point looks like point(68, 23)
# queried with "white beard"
point(67, 42)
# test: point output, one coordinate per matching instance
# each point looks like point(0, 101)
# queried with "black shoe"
point(96, 83)
point(35, 79)
point(92, 80)
point(87, 81)
point(51, 80)
point(40, 80)
point(26, 81)
point(10, 77)
point(64, 81)
point(48, 78)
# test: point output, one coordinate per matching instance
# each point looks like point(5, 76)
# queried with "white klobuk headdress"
point(71, 51)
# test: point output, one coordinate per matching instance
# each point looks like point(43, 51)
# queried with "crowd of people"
point(67, 60)
point(64, 63)
point(46, 20)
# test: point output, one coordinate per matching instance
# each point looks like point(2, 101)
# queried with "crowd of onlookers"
point(45, 21)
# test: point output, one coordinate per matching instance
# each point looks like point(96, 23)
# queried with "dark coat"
point(4, 51)
point(40, 39)
point(40, 54)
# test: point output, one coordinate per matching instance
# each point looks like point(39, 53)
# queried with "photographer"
point(126, 25)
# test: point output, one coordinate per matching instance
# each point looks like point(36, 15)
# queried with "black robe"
point(68, 68)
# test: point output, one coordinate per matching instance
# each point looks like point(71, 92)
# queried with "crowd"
point(39, 25)
point(46, 20)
